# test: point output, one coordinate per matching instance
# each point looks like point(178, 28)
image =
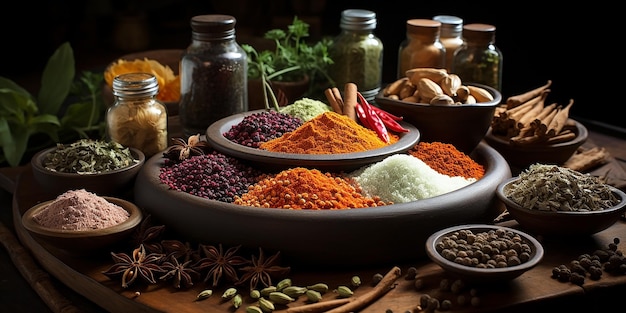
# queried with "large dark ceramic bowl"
point(109, 183)
point(521, 156)
point(386, 234)
point(475, 274)
point(561, 223)
point(463, 126)
point(280, 160)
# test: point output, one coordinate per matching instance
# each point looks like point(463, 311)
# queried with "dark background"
point(577, 47)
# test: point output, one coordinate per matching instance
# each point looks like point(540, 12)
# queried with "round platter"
point(280, 160)
point(392, 233)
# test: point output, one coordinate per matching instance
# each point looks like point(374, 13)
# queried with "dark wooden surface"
point(81, 287)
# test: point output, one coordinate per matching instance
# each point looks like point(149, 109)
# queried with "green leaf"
point(57, 80)
point(14, 150)
point(77, 115)
point(14, 103)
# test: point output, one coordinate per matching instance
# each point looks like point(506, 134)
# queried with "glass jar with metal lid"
point(137, 119)
point(357, 53)
point(422, 47)
point(451, 36)
point(478, 60)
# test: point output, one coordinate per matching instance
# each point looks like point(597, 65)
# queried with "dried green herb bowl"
point(110, 183)
point(84, 242)
point(561, 223)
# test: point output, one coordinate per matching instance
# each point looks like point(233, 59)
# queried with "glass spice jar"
point(422, 47)
point(213, 74)
point(137, 119)
point(478, 60)
point(450, 36)
point(357, 53)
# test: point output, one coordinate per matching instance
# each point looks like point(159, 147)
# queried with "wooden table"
point(534, 289)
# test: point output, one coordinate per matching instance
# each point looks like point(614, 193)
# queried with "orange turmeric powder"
point(301, 188)
point(327, 133)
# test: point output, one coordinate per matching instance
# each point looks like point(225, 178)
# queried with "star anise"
point(180, 250)
point(181, 273)
point(139, 265)
point(149, 235)
point(262, 270)
point(220, 263)
point(181, 149)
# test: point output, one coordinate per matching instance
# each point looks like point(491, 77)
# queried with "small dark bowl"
point(521, 156)
point(463, 126)
point(83, 242)
point(561, 223)
point(109, 183)
point(483, 275)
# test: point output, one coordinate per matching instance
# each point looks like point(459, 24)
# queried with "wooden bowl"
point(561, 223)
point(476, 274)
point(463, 126)
point(109, 183)
point(521, 156)
point(83, 242)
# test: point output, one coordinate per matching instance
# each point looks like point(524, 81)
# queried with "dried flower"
point(220, 263)
point(139, 265)
point(262, 270)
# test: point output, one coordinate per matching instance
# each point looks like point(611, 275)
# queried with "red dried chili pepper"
point(391, 123)
point(374, 120)
point(360, 114)
point(382, 112)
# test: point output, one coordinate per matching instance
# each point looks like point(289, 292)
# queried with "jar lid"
point(451, 26)
point(135, 85)
point(213, 27)
point(356, 19)
point(423, 26)
point(480, 32)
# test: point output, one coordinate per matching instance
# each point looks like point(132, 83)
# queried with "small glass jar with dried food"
point(137, 119)
point(479, 60)
point(422, 46)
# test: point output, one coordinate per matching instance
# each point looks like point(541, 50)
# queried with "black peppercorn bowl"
point(561, 223)
point(84, 242)
point(517, 253)
point(116, 182)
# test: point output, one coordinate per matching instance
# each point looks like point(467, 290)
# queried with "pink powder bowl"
point(102, 238)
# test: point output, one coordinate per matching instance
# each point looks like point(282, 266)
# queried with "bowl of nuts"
point(442, 107)
point(558, 201)
point(484, 253)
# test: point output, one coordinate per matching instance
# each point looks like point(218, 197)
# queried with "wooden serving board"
point(534, 288)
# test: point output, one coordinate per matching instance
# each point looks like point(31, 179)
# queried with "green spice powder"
point(306, 109)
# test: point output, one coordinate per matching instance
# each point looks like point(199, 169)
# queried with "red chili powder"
point(446, 159)
point(80, 210)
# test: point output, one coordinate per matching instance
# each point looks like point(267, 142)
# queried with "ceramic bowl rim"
point(133, 220)
point(431, 242)
point(512, 204)
point(37, 164)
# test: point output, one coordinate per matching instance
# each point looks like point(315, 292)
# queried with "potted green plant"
point(292, 60)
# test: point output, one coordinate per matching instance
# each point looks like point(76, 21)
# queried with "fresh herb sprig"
point(64, 109)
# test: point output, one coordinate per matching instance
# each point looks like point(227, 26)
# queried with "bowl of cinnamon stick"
point(526, 130)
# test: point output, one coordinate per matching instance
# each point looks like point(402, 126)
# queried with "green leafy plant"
point(64, 109)
point(292, 59)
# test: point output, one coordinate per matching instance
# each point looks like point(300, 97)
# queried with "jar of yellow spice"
point(137, 119)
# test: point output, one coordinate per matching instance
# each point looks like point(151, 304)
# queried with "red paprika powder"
point(446, 159)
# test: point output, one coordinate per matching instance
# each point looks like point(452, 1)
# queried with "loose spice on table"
point(80, 210)
point(404, 178)
point(446, 159)
point(301, 188)
point(328, 133)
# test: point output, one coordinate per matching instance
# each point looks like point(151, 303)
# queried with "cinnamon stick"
point(349, 104)
point(543, 124)
point(330, 96)
point(559, 120)
point(542, 115)
point(530, 115)
point(514, 101)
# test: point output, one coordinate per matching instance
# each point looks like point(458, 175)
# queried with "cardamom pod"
point(441, 100)
point(434, 74)
point(319, 287)
point(450, 84)
point(355, 281)
point(294, 291)
point(229, 293)
point(253, 309)
point(283, 284)
point(255, 294)
point(344, 291)
point(204, 294)
point(481, 94)
point(267, 290)
point(313, 296)
point(237, 301)
point(462, 93)
point(428, 89)
point(280, 298)
point(266, 305)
